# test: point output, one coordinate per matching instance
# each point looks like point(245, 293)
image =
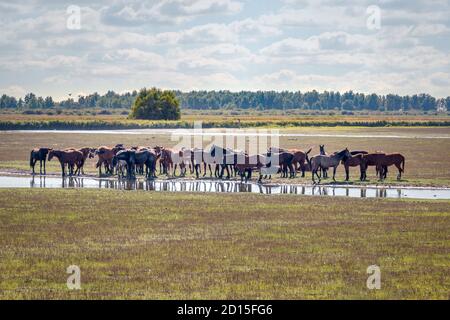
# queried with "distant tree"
point(31, 101)
point(155, 104)
point(48, 102)
point(348, 105)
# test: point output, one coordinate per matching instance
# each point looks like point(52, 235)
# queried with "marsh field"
point(148, 245)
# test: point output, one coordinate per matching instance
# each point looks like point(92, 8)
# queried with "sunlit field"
point(139, 245)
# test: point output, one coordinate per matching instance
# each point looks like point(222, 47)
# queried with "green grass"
point(196, 246)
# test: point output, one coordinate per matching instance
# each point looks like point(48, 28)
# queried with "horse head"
point(322, 149)
point(51, 154)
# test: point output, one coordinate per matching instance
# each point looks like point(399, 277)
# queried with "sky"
point(381, 46)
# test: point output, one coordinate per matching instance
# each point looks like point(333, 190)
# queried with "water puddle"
point(217, 186)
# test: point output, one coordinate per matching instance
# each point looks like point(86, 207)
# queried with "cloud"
point(166, 11)
point(14, 90)
point(228, 44)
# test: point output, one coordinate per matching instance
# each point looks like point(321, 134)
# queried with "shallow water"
point(217, 186)
point(234, 132)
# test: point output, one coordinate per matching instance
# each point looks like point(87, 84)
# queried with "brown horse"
point(353, 161)
point(158, 151)
point(247, 164)
point(387, 160)
point(371, 159)
point(284, 160)
point(87, 152)
point(105, 156)
point(170, 159)
point(71, 158)
point(300, 160)
point(41, 155)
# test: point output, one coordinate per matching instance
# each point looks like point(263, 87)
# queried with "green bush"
point(156, 104)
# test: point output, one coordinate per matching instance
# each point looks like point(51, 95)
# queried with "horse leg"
point(346, 173)
point(334, 173)
point(40, 166)
point(33, 163)
point(63, 169)
point(292, 169)
point(399, 176)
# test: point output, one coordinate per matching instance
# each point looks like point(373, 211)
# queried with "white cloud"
point(214, 44)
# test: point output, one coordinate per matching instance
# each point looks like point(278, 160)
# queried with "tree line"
point(260, 100)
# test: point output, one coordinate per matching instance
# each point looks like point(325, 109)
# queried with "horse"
point(71, 157)
point(224, 158)
point(387, 160)
point(328, 161)
point(300, 160)
point(284, 160)
point(353, 161)
point(372, 159)
point(127, 156)
point(147, 158)
point(105, 155)
point(87, 153)
point(171, 159)
point(200, 156)
point(323, 171)
point(250, 163)
point(41, 155)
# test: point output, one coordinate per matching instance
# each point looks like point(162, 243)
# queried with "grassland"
point(241, 246)
point(426, 159)
point(221, 119)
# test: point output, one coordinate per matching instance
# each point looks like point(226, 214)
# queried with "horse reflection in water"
point(40, 184)
point(72, 182)
point(212, 186)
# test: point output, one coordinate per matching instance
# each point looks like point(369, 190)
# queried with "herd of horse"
point(129, 162)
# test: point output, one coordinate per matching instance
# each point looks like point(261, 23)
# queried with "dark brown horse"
point(247, 164)
point(87, 153)
point(371, 159)
point(284, 160)
point(353, 161)
point(39, 154)
point(72, 158)
point(390, 159)
point(300, 158)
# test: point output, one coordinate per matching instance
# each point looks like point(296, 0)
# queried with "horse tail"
point(31, 158)
point(403, 165)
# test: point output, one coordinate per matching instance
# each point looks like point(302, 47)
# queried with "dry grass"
point(249, 116)
point(240, 246)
